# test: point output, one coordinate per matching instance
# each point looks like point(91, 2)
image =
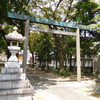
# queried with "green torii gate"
point(29, 19)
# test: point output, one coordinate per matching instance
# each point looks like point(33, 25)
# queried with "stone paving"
point(51, 87)
point(63, 91)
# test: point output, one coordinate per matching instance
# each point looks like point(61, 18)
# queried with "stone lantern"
point(14, 84)
point(15, 38)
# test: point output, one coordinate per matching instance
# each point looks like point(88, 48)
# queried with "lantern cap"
point(15, 36)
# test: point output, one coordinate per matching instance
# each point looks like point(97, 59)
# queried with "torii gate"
point(54, 23)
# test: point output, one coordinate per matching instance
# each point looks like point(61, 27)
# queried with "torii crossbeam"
point(46, 21)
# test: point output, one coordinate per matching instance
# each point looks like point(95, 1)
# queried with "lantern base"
point(14, 84)
point(12, 65)
point(16, 97)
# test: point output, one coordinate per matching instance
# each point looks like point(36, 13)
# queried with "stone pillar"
point(78, 55)
point(97, 69)
point(97, 88)
point(14, 84)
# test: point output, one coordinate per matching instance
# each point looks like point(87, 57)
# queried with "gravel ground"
point(49, 86)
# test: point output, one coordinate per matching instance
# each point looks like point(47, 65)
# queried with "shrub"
point(64, 73)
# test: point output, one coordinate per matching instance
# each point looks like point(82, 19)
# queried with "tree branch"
point(58, 4)
point(56, 9)
point(69, 8)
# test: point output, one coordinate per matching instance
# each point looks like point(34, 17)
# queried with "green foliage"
point(97, 95)
point(71, 45)
point(19, 6)
point(7, 29)
point(3, 44)
point(82, 12)
point(85, 12)
point(33, 42)
point(64, 73)
point(63, 10)
point(42, 44)
point(1, 66)
point(3, 10)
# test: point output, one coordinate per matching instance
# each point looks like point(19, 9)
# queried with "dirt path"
point(49, 86)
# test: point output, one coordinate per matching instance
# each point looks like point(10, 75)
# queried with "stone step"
point(14, 84)
point(5, 77)
point(17, 97)
point(98, 80)
point(12, 64)
point(20, 91)
point(11, 70)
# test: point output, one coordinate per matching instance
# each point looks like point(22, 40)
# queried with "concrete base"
point(16, 97)
point(14, 85)
point(12, 64)
point(11, 70)
point(8, 77)
point(97, 89)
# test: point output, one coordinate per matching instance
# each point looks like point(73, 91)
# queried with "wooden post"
point(78, 55)
point(24, 65)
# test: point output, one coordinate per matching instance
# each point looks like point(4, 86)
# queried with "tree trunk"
point(60, 50)
point(83, 56)
point(61, 60)
point(83, 65)
point(40, 64)
point(43, 66)
point(59, 46)
point(33, 59)
point(70, 61)
point(56, 64)
point(65, 62)
point(75, 64)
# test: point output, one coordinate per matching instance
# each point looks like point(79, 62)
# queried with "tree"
point(96, 25)
point(42, 44)
point(84, 12)
point(18, 6)
point(62, 10)
point(55, 10)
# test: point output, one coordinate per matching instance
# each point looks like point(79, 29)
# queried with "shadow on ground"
point(41, 79)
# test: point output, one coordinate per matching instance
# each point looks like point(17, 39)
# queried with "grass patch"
point(96, 95)
point(1, 66)
point(64, 73)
